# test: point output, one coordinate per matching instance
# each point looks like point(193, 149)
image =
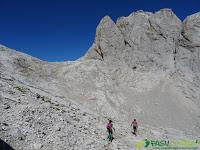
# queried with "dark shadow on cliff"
point(5, 146)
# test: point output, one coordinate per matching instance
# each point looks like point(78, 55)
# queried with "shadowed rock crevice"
point(5, 146)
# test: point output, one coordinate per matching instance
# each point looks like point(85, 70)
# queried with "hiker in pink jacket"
point(109, 127)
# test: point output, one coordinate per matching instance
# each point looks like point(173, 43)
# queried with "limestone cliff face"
point(142, 39)
point(144, 66)
point(148, 40)
point(189, 47)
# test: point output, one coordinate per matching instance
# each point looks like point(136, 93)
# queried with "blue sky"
point(60, 30)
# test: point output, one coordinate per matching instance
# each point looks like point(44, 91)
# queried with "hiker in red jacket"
point(135, 126)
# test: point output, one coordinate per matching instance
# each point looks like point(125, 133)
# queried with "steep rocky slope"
point(144, 66)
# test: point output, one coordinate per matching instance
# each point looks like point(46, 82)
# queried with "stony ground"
point(34, 119)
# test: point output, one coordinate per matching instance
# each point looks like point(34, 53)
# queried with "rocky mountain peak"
point(145, 39)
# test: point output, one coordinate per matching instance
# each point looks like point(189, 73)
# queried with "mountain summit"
point(144, 66)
